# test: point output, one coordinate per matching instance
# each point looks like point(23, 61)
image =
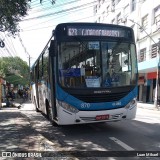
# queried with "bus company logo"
point(85, 105)
point(6, 154)
point(102, 91)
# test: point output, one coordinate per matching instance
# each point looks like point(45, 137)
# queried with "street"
point(26, 130)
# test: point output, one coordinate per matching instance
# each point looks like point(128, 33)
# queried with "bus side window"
point(45, 65)
point(40, 69)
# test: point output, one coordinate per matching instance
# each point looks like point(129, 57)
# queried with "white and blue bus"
point(87, 73)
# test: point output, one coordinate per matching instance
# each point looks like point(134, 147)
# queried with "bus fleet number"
point(85, 105)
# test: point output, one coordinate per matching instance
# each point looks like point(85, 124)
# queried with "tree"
point(14, 70)
point(11, 12)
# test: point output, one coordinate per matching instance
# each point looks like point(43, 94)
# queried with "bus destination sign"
point(73, 31)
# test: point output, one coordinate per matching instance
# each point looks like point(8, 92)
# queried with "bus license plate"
point(102, 117)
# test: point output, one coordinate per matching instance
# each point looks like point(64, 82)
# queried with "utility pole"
point(157, 89)
point(29, 69)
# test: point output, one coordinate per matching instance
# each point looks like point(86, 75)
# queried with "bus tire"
point(37, 110)
point(54, 124)
point(49, 117)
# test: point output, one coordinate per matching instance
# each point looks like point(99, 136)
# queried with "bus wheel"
point(49, 116)
point(54, 124)
point(37, 110)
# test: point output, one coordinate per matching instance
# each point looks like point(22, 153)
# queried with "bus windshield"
point(84, 64)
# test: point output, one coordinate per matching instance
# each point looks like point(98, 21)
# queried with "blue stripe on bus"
point(65, 97)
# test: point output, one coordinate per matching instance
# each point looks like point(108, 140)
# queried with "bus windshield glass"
point(84, 64)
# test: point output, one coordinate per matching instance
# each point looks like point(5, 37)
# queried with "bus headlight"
point(68, 107)
point(131, 104)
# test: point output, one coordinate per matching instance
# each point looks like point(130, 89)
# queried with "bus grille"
point(95, 98)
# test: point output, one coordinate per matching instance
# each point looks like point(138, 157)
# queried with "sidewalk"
point(27, 105)
point(149, 106)
point(19, 133)
point(20, 104)
point(16, 132)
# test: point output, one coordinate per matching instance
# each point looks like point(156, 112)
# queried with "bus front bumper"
point(67, 118)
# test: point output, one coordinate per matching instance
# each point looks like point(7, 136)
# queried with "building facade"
point(144, 17)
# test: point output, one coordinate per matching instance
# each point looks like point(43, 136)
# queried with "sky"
point(36, 28)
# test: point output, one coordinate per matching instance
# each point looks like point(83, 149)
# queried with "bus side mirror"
point(52, 48)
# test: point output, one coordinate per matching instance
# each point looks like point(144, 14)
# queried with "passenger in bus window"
point(116, 64)
point(88, 69)
point(97, 72)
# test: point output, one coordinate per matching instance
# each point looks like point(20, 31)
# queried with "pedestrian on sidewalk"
point(20, 93)
point(25, 95)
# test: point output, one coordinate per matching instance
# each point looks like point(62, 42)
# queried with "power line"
point(6, 50)
point(14, 48)
point(65, 15)
point(60, 17)
point(52, 8)
point(64, 12)
point(7, 47)
point(20, 39)
point(56, 6)
point(58, 12)
point(11, 45)
point(2, 52)
point(41, 4)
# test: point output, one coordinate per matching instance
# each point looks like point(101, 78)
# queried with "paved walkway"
point(20, 104)
point(16, 133)
point(148, 106)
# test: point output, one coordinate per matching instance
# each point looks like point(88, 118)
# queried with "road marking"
point(125, 146)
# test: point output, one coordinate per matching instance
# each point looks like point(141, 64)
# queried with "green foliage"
point(16, 79)
point(11, 12)
point(14, 70)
